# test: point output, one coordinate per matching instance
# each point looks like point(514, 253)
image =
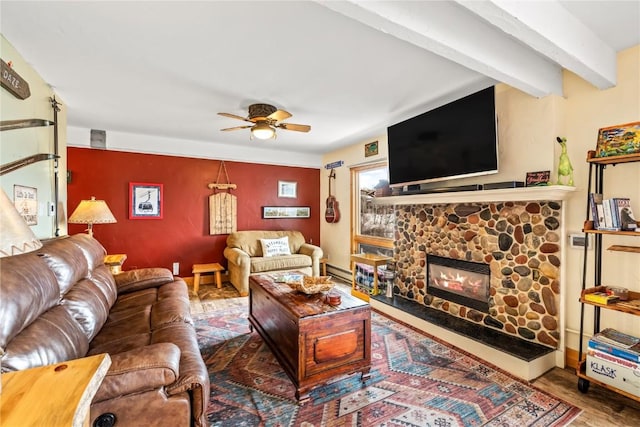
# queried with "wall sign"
point(25, 199)
point(12, 82)
point(538, 178)
point(334, 165)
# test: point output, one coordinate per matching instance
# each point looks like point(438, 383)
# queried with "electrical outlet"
point(176, 268)
point(578, 240)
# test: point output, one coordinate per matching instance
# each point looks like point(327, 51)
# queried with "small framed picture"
point(288, 189)
point(25, 199)
point(145, 200)
point(371, 149)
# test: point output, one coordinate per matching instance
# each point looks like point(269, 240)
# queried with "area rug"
point(415, 381)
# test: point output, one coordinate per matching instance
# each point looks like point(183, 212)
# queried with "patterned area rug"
point(415, 381)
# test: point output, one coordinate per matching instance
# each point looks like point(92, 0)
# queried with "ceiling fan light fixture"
point(263, 131)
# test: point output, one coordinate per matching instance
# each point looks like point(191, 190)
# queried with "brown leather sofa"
point(61, 303)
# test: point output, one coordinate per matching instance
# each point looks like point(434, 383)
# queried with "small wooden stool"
point(323, 265)
point(206, 268)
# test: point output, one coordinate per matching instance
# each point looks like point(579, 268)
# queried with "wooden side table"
point(115, 262)
point(367, 259)
point(323, 265)
point(198, 269)
point(58, 394)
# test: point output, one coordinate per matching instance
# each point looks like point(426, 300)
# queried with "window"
point(373, 223)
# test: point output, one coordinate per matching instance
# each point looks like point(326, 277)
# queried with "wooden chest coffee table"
point(313, 341)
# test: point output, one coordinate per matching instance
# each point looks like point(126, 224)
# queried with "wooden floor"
point(601, 407)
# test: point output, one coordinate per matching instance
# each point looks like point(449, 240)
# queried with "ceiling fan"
point(265, 118)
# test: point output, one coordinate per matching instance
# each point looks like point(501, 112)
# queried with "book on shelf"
point(617, 338)
point(624, 353)
point(624, 213)
point(608, 217)
point(615, 359)
point(601, 297)
point(595, 202)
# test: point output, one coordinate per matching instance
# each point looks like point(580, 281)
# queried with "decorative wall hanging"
point(145, 200)
point(269, 212)
point(223, 212)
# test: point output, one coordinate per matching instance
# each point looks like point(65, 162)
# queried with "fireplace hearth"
point(463, 282)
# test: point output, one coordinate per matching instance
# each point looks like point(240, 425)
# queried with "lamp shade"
point(263, 131)
point(92, 212)
point(16, 237)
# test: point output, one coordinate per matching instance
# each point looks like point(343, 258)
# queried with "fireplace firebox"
point(463, 282)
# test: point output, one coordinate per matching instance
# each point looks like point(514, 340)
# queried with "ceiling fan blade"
point(292, 126)
point(233, 116)
point(279, 115)
point(236, 128)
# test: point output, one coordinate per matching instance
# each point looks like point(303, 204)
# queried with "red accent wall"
point(182, 235)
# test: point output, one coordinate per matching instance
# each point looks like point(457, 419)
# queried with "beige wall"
point(527, 129)
point(21, 143)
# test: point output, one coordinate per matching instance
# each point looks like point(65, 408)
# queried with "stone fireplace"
point(517, 233)
point(516, 245)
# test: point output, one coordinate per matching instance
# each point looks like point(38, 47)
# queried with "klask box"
point(615, 371)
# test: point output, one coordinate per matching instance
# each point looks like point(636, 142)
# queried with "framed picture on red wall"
point(145, 200)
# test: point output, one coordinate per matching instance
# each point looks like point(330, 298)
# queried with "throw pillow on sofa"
point(275, 247)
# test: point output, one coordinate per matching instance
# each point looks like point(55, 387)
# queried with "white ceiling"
point(348, 69)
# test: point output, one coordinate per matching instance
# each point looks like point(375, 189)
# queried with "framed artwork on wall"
point(145, 200)
point(371, 149)
point(288, 189)
point(618, 140)
point(269, 212)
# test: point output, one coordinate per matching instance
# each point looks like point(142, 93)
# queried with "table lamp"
point(92, 212)
point(16, 237)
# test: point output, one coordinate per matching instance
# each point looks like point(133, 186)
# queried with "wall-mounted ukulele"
point(332, 214)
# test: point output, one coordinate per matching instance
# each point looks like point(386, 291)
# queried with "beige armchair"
point(244, 254)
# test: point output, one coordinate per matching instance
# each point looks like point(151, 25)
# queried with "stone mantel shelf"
point(550, 192)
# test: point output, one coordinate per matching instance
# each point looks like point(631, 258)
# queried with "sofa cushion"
point(53, 337)
point(67, 261)
point(88, 306)
point(284, 262)
point(275, 247)
point(27, 289)
point(93, 251)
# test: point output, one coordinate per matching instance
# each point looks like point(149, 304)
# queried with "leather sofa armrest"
point(237, 256)
point(142, 278)
point(313, 251)
point(145, 368)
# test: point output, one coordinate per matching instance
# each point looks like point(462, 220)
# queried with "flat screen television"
point(455, 140)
